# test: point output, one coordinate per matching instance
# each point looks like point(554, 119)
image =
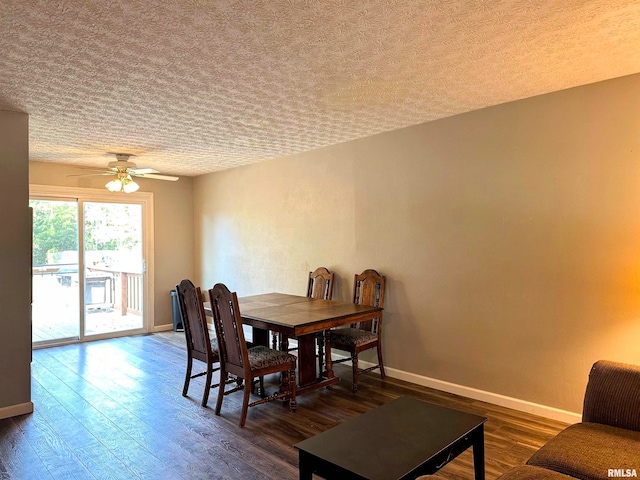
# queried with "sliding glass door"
point(89, 269)
point(113, 267)
point(55, 299)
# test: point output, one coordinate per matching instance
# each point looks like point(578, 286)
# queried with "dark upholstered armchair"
point(607, 438)
point(613, 395)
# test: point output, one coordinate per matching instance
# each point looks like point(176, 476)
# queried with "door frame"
point(145, 199)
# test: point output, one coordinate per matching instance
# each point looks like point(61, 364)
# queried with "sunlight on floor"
point(56, 312)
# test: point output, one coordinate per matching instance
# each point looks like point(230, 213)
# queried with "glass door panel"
point(113, 267)
point(55, 286)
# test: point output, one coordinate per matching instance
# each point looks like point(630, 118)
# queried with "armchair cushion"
point(527, 472)
point(589, 450)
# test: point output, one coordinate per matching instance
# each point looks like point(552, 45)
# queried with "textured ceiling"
point(195, 86)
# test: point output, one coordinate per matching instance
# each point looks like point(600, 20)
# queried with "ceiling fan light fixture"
point(123, 183)
point(128, 185)
point(114, 185)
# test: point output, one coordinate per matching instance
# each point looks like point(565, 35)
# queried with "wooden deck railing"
point(132, 293)
point(124, 289)
point(128, 291)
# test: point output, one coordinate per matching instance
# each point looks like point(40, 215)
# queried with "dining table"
point(294, 316)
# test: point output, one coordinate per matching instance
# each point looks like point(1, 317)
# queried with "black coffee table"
point(402, 439)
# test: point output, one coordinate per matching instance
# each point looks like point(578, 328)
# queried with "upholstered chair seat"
point(264, 357)
point(352, 336)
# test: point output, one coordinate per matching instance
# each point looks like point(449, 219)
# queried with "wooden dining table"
point(301, 317)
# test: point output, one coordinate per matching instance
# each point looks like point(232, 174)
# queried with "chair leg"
point(207, 385)
point(380, 361)
point(354, 362)
point(292, 390)
point(223, 381)
point(245, 402)
point(187, 377)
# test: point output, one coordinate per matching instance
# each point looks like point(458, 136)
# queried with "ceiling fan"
point(124, 170)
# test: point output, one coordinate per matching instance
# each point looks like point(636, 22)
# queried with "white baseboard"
point(15, 410)
point(474, 393)
point(468, 392)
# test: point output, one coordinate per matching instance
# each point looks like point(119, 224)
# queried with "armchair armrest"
point(613, 395)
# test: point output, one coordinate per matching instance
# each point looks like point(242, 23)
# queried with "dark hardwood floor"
point(113, 410)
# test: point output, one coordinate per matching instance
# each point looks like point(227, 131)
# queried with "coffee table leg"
point(304, 466)
point(478, 453)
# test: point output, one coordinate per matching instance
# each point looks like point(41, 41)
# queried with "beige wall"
point(509, 236)
point(15, 252)
point(173, 224)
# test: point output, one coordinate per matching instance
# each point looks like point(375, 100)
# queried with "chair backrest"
point(612, 396)
point(195, 323)
point(228, 324)
point(320, 284)
point(368, 289)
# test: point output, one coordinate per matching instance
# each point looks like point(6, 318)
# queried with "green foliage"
point(107, 226)
point(112, 226)
point(55, 227)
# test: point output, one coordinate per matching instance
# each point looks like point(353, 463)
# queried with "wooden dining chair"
point(368, 289)
point(200, 345)
point(247, 363)
point(319, 285)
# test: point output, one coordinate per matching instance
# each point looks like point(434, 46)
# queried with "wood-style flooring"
point(113, 409)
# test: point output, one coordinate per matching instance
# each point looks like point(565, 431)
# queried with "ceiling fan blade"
point(142, 171)
point(155, 176)
point(90, 174)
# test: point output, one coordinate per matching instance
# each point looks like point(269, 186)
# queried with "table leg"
point(320, 337)
point(260, 336)
point(284, 385)
point(327, 353)
point(478, 453)
point(307, 360)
